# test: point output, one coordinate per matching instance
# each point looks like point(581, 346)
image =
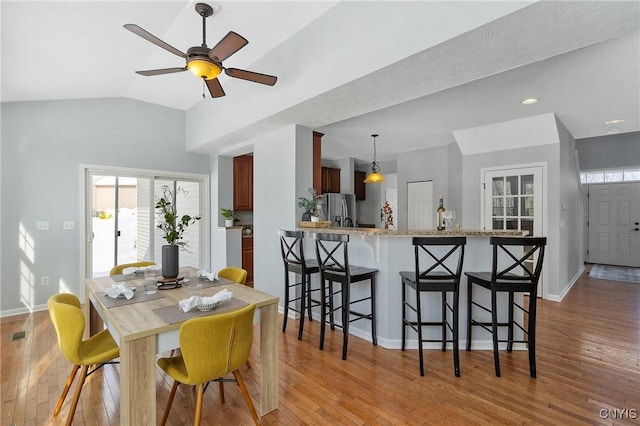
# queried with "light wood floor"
point(588, 361)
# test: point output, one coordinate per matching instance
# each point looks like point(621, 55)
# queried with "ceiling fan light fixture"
point(375, 176)
point(204, 68)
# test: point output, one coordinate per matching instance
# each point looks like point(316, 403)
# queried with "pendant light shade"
point(374, 176)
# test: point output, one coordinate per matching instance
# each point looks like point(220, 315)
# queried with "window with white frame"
point(610, 175)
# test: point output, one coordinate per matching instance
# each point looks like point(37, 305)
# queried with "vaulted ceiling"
point(431, 67)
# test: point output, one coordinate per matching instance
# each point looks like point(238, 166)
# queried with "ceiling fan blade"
point(149, 73)
point(215, 88)
point(256, 77)
point(226, 47)
point(153, 39)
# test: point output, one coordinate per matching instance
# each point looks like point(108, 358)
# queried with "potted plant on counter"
point(228, 217)
point(311, 206)
point(173, 227)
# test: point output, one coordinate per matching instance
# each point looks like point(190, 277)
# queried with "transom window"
point(611, 175)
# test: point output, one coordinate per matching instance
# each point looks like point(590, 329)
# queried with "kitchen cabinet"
point(247, 258)
point(330, 180)
point(243, 183)
point(359, 186)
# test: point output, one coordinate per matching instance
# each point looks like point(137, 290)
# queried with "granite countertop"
point(417, 232)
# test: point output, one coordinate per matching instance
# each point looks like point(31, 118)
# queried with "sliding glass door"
point(120, 218)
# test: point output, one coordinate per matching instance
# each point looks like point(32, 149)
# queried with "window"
point(612, 175)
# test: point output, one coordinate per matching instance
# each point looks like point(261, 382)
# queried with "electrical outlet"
point(42, 226)
point(68, 225)
point(45, 280)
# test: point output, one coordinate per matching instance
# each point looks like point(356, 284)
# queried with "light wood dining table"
point(141, 334)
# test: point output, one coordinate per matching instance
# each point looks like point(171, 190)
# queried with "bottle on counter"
point(440, 225)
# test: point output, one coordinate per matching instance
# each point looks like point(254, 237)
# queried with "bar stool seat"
point(438, 268)
point(292, 249)
point(333, 259)
point(516, 268)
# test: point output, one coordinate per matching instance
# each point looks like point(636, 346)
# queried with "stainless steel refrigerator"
point(340, 209)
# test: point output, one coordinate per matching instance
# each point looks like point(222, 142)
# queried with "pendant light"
point(374, 176)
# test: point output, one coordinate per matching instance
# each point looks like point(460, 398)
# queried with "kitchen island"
point(391, 251)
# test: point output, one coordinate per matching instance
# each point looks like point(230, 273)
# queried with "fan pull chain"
point(203, 97)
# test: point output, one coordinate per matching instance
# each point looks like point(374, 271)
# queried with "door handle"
point(636, 223)
point(636, 229)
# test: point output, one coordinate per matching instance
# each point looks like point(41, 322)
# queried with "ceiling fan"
point(203, 62)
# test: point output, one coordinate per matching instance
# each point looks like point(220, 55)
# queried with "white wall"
point(282, 169)
point(43, 145)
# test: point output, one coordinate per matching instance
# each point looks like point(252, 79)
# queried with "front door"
point(614, 224)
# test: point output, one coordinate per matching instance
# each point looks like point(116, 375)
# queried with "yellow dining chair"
point(212, 347)
point(69, 322)
point(117, 270)
point(232, 273)
point(238, 275)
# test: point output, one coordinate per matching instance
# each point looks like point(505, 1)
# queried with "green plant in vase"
point(173, 227)
point(311, 205)
point(228, 216)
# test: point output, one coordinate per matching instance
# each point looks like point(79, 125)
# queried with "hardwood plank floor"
point(588, 373)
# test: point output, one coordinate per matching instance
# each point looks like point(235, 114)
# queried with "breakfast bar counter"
point(391, 251)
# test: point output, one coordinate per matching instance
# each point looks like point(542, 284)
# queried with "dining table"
point(142, 334)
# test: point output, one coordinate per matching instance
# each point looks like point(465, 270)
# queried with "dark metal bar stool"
point(333, 259)
point(438, 267)
point(516, 267)
point(291, 246)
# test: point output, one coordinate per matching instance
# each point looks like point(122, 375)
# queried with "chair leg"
point(167, 408)
point(419, 329)
point(200, 396)
point(374, 333)
point(247, 397)
point(76, 396)
point(443, 312)
point(323, 312)
point(456, 324)
point(303, 300)
point(510, 307)
point(331, 315)
point(65, 391)
point(494, 332)
point(469, 308)
point(404, 314)
point(221, 388)
point(308, 296)
point(346, 305)
point(531, 334)
point(287, 289)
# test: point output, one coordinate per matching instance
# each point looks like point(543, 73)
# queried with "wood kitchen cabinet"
point(247, 258)
point(330, 180)
point(243, 183)
point(359, 186)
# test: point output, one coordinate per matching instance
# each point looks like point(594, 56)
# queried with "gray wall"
point(429, 164)
point(571, 221)
point(43, 144)
point(612, 151)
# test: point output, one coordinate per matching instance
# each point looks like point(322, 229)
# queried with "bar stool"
point(438, 267)
point(292, 248)
point(333, 259)
point(511, 272)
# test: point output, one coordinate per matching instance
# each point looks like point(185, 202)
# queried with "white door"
point(512, 199)
point(420, 205)
point(614, 224)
